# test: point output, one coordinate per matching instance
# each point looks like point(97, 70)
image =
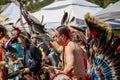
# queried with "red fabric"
point(85, 61)
point(88, 77)
point(4, 74)
point(93, 33)
point(66, 37)
point(64, 44)
point(18, 31)
point(61, 73)
point(85, 64)
point(118, 47)
point(69, 32)
point(1, 54)
point(50, 45)
point(30, 24)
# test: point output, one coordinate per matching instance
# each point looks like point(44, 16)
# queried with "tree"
point(103, 3)
point(2, 2)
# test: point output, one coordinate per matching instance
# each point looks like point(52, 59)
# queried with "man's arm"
point(57, 47)
point(69, 59)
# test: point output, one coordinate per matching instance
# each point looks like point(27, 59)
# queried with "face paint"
point(57, 37)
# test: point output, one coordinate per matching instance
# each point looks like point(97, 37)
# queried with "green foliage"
point(37, 6)
point(116, 32)
point(103, 3)
point(2, 2)
point(32, 7)
point(107, 2)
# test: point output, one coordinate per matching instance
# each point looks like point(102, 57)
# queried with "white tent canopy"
point(55, 11)
point(12, 12)
point(111, 12)
point(111, 15)
point(62, 4)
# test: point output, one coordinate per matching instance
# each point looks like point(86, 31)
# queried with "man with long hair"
point(73, 62)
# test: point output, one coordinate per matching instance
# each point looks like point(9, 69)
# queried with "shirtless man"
point(73, 58)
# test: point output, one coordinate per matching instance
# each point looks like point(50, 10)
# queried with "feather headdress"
point(76, 33)
point(106, 54)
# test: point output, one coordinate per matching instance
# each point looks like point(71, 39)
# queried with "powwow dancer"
point(72, 54)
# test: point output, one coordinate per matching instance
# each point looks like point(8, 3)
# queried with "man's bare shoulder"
point(70, 45)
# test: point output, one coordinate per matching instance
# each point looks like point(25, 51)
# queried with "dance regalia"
point(2, 52)
point(3, 33)
point(2, 71)
point(106, 56)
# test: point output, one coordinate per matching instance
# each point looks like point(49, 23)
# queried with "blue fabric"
point(32, 58)
point(15, 67)
point(28, 58)
point(19, 49)
point(94, 76)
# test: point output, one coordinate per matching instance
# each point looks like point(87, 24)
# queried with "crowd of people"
point(28, 52)
point(41, 60)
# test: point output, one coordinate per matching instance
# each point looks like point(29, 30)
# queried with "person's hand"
point(13, 26)
point(60, 72)
point(57, 47)
point(17, 61)
point(51, 69)
point(10, 63)
point(26, 70)
point(12, 37)
point(2, 67)
point(44, 58)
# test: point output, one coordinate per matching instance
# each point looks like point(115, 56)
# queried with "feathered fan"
point(105, 56)
point(35, 24)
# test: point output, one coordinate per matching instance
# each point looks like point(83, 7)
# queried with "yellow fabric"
point(2, 18)
point(41, 49)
